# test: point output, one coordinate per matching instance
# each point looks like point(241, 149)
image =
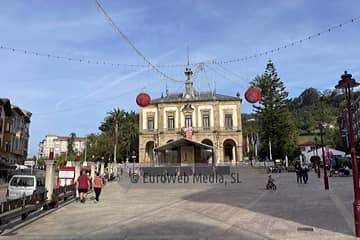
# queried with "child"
point(271, 183)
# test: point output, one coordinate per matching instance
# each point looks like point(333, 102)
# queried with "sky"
point(72, 96)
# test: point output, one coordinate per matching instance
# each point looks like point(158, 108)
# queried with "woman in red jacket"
point(83, 185)
point(98, 183)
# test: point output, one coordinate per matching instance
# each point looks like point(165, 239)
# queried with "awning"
point(183, 142)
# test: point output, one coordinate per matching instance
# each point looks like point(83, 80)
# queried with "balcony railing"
point(194, 129)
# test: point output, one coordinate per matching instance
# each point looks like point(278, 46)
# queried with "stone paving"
point(206, 211)
point(3, 189)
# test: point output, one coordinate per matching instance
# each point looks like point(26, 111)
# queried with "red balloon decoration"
point(253, 95)
point(143, 99)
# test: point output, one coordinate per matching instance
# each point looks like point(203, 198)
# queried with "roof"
point(65, 138)
point(199, 96)
point(22, 112)
point(181, 142)
point(307, 143)
point(7, 106)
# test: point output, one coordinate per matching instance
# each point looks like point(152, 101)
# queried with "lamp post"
point(326, 179)
point(317, 159)
point(116, 139)
point(348, 83)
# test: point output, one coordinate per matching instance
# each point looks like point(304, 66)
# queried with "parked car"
point(24, 185)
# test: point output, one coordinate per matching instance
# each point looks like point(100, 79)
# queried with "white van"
point(24, 185)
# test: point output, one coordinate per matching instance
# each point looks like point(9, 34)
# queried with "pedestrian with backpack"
point(97, 184)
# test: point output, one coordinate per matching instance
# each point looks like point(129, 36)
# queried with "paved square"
point(206, 211)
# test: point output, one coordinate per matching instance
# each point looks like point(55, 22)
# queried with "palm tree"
point(111, 125)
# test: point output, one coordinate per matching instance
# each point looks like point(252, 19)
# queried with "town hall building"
point(191, 128)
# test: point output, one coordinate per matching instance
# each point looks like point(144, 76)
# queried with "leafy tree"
point(41, 161)
point(308, 97)
point(71, 141)
point(276, 123)
point(250, 129)
point(127, 138)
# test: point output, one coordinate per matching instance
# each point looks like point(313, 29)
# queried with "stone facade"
point(14, 132)
point(207, 117)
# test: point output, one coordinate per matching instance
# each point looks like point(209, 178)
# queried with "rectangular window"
point(150, 123)
point(188, 120)
point(206, 120)
point(171, 122)
point(228, 121)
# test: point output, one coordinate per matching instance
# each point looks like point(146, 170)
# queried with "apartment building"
point(14, 132)
point(59, 144)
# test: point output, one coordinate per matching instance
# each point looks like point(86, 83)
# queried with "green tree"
point(250, 129)
point(276, 123)
point(127, 137)
point(70, 148)
point(41, 161)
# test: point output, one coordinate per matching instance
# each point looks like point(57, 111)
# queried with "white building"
point(309, 148)
point(60, 145)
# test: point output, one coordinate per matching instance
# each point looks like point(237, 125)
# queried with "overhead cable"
point(291, 44)
point(117, 29)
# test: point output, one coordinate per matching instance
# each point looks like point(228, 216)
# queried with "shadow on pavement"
point(304, 204)
point(173, 230)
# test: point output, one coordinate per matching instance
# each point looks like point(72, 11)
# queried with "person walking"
point(305, 174)
point(90, 180)
point(98, 183)
point(83, 185)
point(298, 171)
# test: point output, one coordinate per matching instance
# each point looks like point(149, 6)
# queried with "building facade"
point(14, 132)
point(205, 118)
point(59, 145)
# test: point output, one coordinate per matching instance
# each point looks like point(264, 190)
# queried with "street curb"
point(33, 219)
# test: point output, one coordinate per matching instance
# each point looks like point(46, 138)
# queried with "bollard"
point(77, 174)
point(92, 172)
point(49, 177)
point(115, 169)
point(102, 169)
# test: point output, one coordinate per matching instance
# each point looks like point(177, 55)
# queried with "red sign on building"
point(188, 134)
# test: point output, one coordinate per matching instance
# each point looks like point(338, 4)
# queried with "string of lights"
point(117, 29)
point(71, 59)
point(291, 44)
point(83, 60)
point(213, 61)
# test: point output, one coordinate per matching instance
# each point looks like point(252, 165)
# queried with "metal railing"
point(21, 207)
point(62, 193)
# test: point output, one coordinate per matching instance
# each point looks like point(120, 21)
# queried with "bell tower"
point(188, 91)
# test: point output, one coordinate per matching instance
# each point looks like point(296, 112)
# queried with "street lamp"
point(348, 83)
point(326, 179)
point(317, 158)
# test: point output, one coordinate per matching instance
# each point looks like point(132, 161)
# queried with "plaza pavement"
point(3, 189)
point(206, 211)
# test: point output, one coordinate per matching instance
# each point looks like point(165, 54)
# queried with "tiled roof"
point(307, 143)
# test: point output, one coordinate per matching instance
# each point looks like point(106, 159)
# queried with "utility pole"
point(270, 149)
point(85, 148)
